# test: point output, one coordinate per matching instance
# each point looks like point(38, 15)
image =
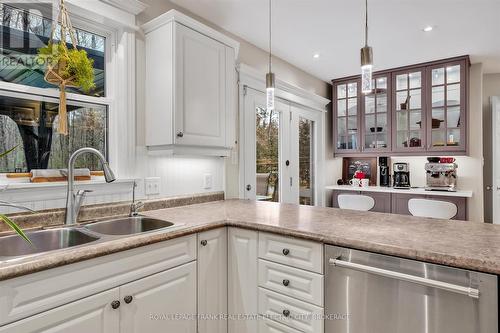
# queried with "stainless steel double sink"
point(66, 237)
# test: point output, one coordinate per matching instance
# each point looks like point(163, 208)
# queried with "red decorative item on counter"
point(359, 175)
point(447, 160)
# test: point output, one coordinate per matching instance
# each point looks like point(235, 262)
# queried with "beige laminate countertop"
point(469, 245)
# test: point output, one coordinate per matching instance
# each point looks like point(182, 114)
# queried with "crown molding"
point(130, 6)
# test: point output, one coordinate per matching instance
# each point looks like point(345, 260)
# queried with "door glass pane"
point(453, 94)
point(382, 103)
point(341, 107)
point(382, 83)
point(382, 122)
point(438, 118)
point(369, 103)
point(415, 99)
point(402, 82)
point(415, 120)
point(341, 91)
point(415, 139)
point(370, 123)
point(453, 74)
point(352, 106)
point(438, 96)
point(267, 159)
point(453, 137)
point(415, 80)
point(402, 120)
point(437, 76)
point(453, 116)
point(402, 139)
point(352, 89)
point(306, 162)
point(402, 100)
point(438, 139)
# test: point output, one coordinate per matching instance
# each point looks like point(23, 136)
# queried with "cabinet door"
point(242, 280)
point(382, 201)
point(447, 103)
point(163, 302)
point(409, 121)
point(346, 106)
point(212, 281)
point(91, 314)
point(200, 90)
point(376, 123)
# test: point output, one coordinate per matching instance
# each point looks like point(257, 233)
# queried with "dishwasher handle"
point(471, 292)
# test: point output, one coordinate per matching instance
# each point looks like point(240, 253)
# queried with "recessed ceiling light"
point(428, 28)
point(316, 55)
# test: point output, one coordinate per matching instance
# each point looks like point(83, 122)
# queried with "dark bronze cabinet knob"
point(286, 252)
point(115, 304)
point(128, 299)
point(286, 313)
point(286, 282)
point(204, 243)
point(180, 134)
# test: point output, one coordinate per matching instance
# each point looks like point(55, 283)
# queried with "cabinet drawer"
point(292, 312)
point(304, 285)
point(269, 326)
point(291, 251)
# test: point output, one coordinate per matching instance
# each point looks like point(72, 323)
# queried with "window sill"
point(6, 186)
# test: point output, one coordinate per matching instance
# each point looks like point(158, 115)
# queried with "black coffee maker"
point(383, 168)
point(401, 175)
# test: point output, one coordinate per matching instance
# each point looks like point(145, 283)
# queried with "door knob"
point(180, 134)
point(115, 304)
point(249, 187)
point(286, 252)
point(287, 163)
point(128, 299)
point(204, 243)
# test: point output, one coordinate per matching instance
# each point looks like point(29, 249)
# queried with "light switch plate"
point(207, 181)
point(152, 185)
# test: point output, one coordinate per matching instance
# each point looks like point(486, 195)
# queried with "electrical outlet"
point(152, 185)
point(207, 181)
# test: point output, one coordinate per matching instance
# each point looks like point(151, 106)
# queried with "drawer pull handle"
point(204, 242)
point(115, 304)
point(286, 252)
point(286, 313)
point(286, 282)
point(128, 299)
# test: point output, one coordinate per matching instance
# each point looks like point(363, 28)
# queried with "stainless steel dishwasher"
point(372, 293)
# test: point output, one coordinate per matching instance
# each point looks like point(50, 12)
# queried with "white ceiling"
point(334, 29)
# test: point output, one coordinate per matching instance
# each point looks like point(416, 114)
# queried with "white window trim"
point(119, 86)
point(251, 78)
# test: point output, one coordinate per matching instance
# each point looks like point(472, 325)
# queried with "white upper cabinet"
point(190, 92)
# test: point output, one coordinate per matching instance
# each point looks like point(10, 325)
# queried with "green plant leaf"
point(15, 227)
point(7, 152)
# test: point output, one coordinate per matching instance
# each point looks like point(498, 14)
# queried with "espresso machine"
point(384, 176)
point(441, 176)
point(401, 175)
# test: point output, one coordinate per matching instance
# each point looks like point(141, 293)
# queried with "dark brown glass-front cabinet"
point(414, 110)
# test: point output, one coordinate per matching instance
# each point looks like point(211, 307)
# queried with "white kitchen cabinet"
point(212, 281)
point(190, 86)
point(91, 314)
point(164, 302)
point(242, 280)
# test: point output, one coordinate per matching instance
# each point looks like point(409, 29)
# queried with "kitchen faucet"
point(135, 206)
point(13, 205)
point(74, 200)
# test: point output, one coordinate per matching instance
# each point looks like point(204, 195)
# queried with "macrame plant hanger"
point(53, 71)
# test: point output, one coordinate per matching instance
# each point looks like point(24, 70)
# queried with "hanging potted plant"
point(66, 67)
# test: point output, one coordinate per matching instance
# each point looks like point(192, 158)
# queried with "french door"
point(495, 102)
point(281, 149)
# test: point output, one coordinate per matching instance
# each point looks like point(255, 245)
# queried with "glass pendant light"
point(366, 59)
point(270, 80)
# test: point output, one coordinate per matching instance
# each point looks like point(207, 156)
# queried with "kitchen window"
point(29, 105)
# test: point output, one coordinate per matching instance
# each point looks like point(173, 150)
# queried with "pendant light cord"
point(366, 22)
point(270, 36)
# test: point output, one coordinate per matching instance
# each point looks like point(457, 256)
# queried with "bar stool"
point(355, 202)
point(432, 208)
